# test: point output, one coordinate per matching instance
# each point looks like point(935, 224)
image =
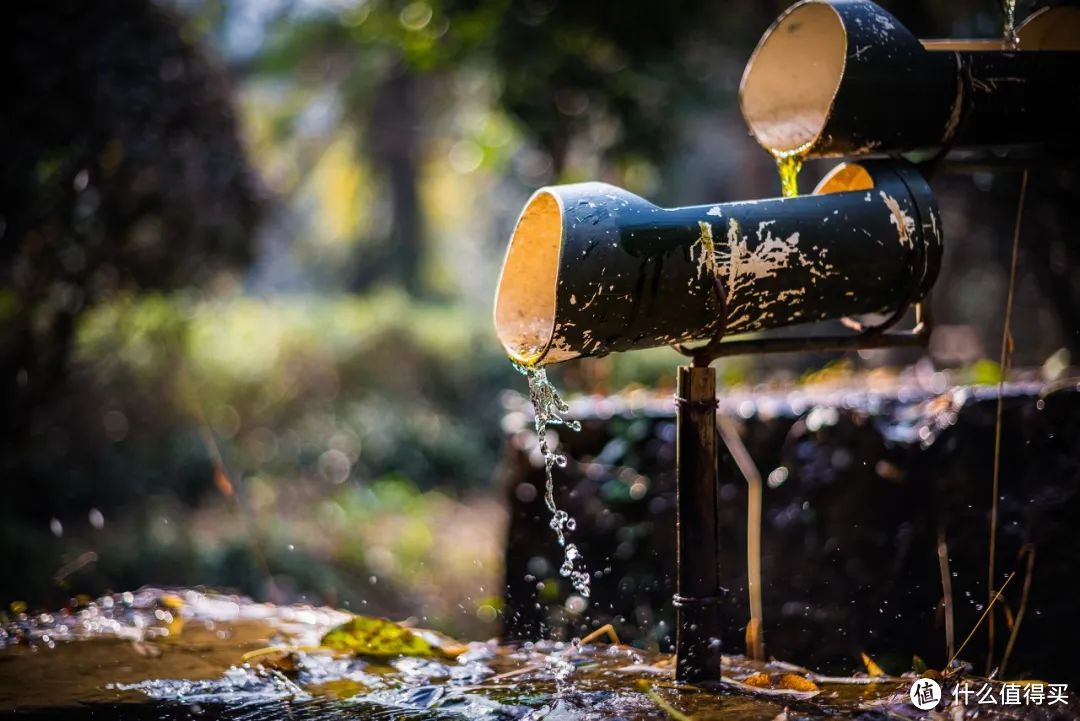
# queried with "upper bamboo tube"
point(846, 78)
point(592, 269)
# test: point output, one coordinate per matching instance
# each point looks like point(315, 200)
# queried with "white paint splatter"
point(740, 269)
point(904, 223)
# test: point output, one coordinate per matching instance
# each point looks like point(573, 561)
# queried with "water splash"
point(82, 658)
point(548, 410)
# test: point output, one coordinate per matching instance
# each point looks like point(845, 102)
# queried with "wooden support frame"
point(698, 591)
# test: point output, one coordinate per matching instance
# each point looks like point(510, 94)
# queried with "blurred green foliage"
point(121, 171)
point(395, 386)
point(342, 424)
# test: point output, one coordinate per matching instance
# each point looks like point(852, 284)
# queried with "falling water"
point(548, 407)
point(1012, 41)
point(788, 164)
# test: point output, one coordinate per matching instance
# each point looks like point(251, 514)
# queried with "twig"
point(515, 672)
point(852, 680)
point(755, 641)
point(975, 628)
point(222, 480)
point(1006, 353)
point(1028, 550)
point(946, 590)
point(607, 629)
point(663, 705)
point(227, 488)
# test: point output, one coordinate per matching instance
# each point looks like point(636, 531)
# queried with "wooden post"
point(697, 644)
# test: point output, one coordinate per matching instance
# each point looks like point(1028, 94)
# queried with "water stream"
point(788, 164)
point(548, 410)
point(1012, 41)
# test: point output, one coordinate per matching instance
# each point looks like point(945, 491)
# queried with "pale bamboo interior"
point(843, 178)
point(525, 298)
point(1053, 28)
point(789, 84)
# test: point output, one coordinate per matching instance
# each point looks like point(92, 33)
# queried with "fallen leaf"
point(381, 638)
point(758, 680)
point(172, 601)
point(918, 665)
point(283, 659)
point(795, 682)
point(871, 667)
point(787, 681)
point(787, 684)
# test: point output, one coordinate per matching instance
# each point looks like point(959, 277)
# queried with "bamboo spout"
point(592, 269)
point(846, 78)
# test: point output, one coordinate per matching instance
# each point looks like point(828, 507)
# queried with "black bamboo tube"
point(846, 78)
point(698, 592)
point(592, 269)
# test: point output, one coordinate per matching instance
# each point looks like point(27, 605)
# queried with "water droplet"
point(548, 406)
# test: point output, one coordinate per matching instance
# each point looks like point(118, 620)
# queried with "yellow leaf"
point(872, 668)
point(171, 600)
point(794, 682)
point(758, 680)
point(786, 681)
point(379, 637)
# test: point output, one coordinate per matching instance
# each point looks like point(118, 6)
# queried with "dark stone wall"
point(869, 482)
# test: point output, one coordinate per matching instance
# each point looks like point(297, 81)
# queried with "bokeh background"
point(248, 250)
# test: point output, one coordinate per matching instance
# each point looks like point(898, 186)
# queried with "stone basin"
point(179, 654)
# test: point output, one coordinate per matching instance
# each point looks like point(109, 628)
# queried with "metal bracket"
point(876, 336)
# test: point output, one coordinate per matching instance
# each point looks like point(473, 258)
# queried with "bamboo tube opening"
point(845, 177)
point(789, 84)
point(1051, 28)
point(525, 298)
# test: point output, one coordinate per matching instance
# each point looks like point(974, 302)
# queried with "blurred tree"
point(384, 60)
point(613, 74)
point(121, 171)
point(569, 72)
